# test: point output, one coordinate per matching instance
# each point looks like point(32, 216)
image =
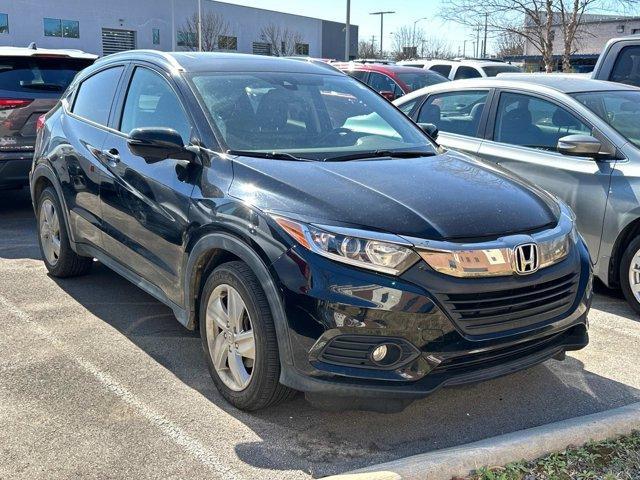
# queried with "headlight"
point(375, 253)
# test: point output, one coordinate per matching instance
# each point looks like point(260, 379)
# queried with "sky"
point(407, 11)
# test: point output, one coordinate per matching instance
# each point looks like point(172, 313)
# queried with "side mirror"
point(155, 144)
point(388, 95)
point(579, 145)
point(430, 129)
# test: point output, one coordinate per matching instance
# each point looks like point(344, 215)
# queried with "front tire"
point(630, 274)
point(53, 238)
point(239, 338)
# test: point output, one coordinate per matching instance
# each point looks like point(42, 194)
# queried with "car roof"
point(45, 52)
point(377, 67)
point(221, 62)
point(530, 82)
point(462, 61)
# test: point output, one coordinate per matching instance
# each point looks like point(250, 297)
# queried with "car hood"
point(448, 196)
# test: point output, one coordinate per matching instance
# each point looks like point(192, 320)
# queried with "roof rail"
point(33, 46)
point(157, 53)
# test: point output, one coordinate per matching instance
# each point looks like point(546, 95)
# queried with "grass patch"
point(608, 460)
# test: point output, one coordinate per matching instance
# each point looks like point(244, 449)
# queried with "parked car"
point(620, 61)
point(31, 82)
point(464, 68)
point(312, 255)
point(391, 81)
point(575, 137)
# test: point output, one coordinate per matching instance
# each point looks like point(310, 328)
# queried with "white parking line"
point(189, 444)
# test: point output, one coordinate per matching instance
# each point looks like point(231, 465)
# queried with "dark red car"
point(391, 81)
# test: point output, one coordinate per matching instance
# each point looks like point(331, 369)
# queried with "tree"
point(213, 26)
point(435, 47)
point(410, 43)
point(532, 20)
point(509, 44)
point(284, 42)
point(368, 49)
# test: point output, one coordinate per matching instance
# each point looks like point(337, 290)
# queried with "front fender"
point(234, 245)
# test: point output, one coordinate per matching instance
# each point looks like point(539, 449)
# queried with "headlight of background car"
point(373, 254)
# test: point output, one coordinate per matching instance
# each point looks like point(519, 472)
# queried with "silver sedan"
point(575, 137)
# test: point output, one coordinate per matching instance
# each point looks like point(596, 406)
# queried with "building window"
point(186, 39)
point(552, 35)
point(156, 36)
point(620, 29)
point(226, 42)
point(635, 31)
point(55, 27)
point(4, 23)
point(260, 48)
point(302, 49)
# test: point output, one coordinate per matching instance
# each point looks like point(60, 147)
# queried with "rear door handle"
point(112, 156)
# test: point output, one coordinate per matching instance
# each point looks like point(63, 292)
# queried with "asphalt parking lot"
point(98, 380)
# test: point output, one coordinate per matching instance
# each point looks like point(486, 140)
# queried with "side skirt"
point(137, 280)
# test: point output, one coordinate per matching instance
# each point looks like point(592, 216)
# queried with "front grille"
point(355, 350)
point(497, 311)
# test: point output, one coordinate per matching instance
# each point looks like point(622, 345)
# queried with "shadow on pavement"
point(296, 436)
point(612, 301)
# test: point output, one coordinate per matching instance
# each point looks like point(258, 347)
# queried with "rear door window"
point(382, 83)
point(627, 67)
point(455, 112)
point(39, 76)
point(95, 95)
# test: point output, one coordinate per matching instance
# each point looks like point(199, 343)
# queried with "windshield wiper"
point(380, 153)
point(274, 155)
point(51, 87)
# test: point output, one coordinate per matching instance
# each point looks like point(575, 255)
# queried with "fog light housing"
point(379, 353)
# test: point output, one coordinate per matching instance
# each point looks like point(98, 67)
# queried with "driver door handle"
point(112, 156)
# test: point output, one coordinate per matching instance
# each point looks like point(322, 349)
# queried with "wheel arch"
point(213, 249)
point(628, 233)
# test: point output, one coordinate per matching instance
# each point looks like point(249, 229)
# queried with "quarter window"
point(95, 95)
point(4, 23)
point(408, 106)
point(533, 122)
point(627, 67)
point(467, 72)
point(444, 70)
point(455, 112)
point(151, 102)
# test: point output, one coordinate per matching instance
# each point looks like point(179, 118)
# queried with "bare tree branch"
point(213, 26)
point(283, 41)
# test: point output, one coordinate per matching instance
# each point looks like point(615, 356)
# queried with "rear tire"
point(53, 238)
point(239, 339)
point(630, 274)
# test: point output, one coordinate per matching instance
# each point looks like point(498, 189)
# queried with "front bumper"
point(329, 306)
point(14, 169)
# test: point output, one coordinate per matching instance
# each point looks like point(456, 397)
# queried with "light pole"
point(414, 33)
point(347, 32)
point(382, 14)
point(199, 25)
point(464, 48)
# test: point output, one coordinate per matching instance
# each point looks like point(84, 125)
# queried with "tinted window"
point(151, 102)
point(421, 79)
point(533, 122)
point(455, 112)
point(467, 72)
point(443, 70)
point(627, 66)
point(310, 115)
point(620, 109)
point(359, 74)
point(382, 83)
point(95, 95)
point(493, 70)
point(408, 106)
point(31, 75)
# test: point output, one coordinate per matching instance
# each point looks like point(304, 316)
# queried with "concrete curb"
point(522, 445)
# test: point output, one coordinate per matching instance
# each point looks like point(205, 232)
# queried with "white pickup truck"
point(620, 61)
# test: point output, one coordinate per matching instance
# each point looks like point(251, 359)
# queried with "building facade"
point(103, 27)
point(595, 32)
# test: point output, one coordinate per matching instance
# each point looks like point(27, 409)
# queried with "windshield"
point(39, 74)
point(620, 109)
point(493, 70)
point(421, 79)
point(312, 116)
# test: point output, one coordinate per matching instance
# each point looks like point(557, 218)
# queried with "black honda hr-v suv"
point(318, 238)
